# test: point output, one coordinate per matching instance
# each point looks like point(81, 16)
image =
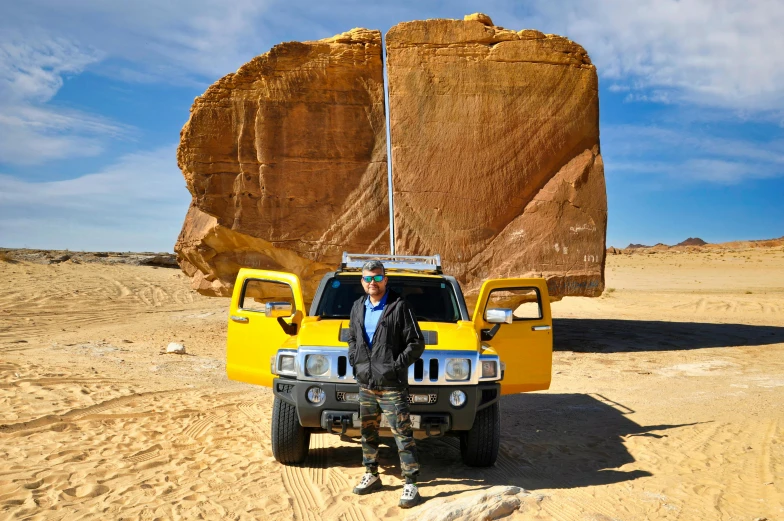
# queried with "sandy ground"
point(666, 403)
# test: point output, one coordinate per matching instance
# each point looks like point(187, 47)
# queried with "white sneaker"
point(368, 483)
point(410, 496)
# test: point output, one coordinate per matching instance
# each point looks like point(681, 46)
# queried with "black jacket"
point(397, 343)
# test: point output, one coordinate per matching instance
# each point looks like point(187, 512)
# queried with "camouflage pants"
point(394, 406)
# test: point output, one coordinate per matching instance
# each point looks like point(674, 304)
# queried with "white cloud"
point(615, 87)
point(177, 40)
point(712, 53)
point(43, 41)
point(33, 69)
point(706, 52)
point(138, 203)
point(31, 73)
point(686, 155)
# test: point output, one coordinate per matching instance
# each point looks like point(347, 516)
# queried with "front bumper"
point(457, 419)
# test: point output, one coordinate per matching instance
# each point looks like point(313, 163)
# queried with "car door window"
point(525, 303)
point(256, 293)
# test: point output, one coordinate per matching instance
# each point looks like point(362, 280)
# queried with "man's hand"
point(414, 340)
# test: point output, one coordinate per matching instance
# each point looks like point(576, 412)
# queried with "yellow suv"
point(469, 361)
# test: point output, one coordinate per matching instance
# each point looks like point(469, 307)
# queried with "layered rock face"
point(495, 153)
point(496, 160)
point(286, 162)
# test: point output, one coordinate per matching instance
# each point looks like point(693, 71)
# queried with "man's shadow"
point(547, 441)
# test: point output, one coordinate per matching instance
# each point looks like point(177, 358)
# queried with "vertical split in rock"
point(286, 161)
point(495, 153)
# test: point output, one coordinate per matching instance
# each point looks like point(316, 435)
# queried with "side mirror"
point(278, 309)
point(498, 316)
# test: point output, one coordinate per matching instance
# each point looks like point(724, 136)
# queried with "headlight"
point(316, 365)
point(457, 398)
point(316, 395)
point(489, 369)
point(287, 365)
point(458, 368)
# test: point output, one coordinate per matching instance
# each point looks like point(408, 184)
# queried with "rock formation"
point(286, 162)
point(495, 139)
point(495, 153)
point(692, 241)
point(487, 505)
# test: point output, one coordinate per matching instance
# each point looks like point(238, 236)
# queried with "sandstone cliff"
point(286, 163)
point(495, 153)
point(495, 139)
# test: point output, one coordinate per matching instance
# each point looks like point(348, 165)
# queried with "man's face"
point(373, 288)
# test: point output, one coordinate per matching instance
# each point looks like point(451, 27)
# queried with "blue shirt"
point(372, 316)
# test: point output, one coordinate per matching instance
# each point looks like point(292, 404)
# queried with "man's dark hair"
point(374, 265)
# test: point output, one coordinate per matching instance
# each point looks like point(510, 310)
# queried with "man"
point(384, 340)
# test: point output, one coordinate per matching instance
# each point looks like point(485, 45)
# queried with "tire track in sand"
point(307, 501)
point(354, 513)
point(746, 494)
point(83, 413)
point(146, 454)
point(200, 426)
point(317, 459)
point(257, 421)
point(306, 497)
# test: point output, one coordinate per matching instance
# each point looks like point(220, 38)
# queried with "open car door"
point(524, 339)
point(266, 310)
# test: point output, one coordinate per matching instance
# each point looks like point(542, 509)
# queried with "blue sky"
point(93, 95)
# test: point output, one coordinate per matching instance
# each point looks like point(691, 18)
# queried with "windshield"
point(432, 300)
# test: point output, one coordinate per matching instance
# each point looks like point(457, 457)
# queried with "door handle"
point(541, 328)
point(235, 318)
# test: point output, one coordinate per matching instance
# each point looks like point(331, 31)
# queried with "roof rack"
point(355, 261)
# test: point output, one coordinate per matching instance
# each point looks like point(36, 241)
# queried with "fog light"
point(316, 395)
point(489, 369)
point(351, 397)
point(457, 398)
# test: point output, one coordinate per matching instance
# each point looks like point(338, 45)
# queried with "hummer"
point(503, 347)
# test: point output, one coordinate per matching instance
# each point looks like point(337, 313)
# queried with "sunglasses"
point(369, 278)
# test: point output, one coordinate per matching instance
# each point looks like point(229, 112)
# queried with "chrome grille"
point(428, 371)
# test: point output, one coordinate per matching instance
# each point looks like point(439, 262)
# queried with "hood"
point(460, 336)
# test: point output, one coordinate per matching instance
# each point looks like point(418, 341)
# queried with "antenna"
point(389, 148)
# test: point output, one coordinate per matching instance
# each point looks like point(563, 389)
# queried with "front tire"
point(290, 440)
point(479, 446)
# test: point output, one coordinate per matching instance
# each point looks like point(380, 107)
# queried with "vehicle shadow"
point(615, 336)
point(547, 441)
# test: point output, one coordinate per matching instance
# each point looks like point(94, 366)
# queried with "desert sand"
point(666, 403)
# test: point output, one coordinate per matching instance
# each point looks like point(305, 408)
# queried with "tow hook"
point(344, 422)
point(433, 423)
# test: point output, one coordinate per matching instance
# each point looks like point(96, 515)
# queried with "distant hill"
point(692, 241)
point(163, 260)
point(696, 244)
